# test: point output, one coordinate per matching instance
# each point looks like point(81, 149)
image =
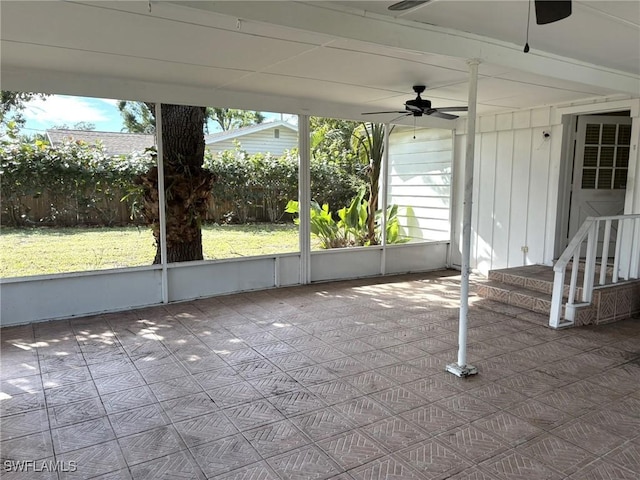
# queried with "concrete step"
point(515, 295)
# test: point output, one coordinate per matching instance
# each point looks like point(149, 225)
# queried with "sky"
point(55, 110)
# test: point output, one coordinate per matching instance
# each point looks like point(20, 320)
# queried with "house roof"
point(115, 143)
point(241, 132)
point(327, 58)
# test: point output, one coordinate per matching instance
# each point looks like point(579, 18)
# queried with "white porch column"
point(461, 369)
point(304, 198)
point(161, 207)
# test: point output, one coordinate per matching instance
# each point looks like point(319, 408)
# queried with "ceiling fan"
point(419, 106)
point(547, 11)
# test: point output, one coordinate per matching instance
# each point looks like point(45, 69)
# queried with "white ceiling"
point(326, 58)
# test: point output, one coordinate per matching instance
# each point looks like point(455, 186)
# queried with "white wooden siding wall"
point(420, 181)
point(515, 189)
point(261, 142)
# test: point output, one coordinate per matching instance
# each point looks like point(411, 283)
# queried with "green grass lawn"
point(40, 251)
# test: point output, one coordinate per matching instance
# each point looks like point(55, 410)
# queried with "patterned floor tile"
point(473, 443)
point(603, 470)
point(175, 387)
point(433, 419)
point(127, 399)
point(402, 373)
point(590, 437)
point(161, 372)
point(70, 393)
point(511, 429)
point(234, 394)
point(188, 407)
point(395, 433)
point(81, 435)
point(256, 471)
point(351, 449)
point(539, 414)
point(22, 424)
point(307, 463)
point(276, 438)
point(311, 375)
point(369, 382)
point(323, 423)
point(254, 414)
point(30, 447)
point(82, 411)
point(473, 473)
point(386, 468)
point(223, 455)
point(138, 420)
point(93, 461)
point(513, 466)
point(467, 406)
point(362, 411)
point(497, 395)
point(627, 456)
point(58, 378)
point(205, 428)
point(334, 391)
point(296, 402)
point(615, 422)
point(113, 367)
point(345, 366)
point(115, 383)
point(433, 460)
point(398, 399)
point(21, 403)
point(175, 466)
point(557, 453)
point(432, 389)
point(151, 444)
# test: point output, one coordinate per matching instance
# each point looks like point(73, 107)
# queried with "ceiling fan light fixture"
point(406, 5)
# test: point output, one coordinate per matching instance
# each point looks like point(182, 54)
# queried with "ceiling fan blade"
point(453, 109)
point(549, 11)
point(446, 116)
point(375, 113)
point(406, 5)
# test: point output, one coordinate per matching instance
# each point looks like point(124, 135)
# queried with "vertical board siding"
point(420, 181)
point(260, 142)
point(515, 190)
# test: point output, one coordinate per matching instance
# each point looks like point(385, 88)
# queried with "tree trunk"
point(187, 184)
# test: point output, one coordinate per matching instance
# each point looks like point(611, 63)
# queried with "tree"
point(12, 104)
point(229, 118)
point(187, 184)
point(368, 143)
point(138, 117)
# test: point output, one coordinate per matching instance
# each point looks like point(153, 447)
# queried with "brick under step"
point(515, 295)
point(542, 282)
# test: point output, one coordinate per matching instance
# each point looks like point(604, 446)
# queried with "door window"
point(606, 156)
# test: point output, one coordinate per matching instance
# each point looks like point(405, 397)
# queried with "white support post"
point(575, 266)
point(384, 180)
point(162, 205)
point(304, 198)
point(634, 264)
point(461, 369)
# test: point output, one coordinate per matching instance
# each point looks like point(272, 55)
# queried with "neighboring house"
point(272, 137)
point(115, 143)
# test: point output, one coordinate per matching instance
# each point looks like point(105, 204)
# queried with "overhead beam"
point(416, 37)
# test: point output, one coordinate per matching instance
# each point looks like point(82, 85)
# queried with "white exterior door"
point(600, 169)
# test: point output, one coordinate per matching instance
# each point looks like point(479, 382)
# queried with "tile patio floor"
point(342, 380)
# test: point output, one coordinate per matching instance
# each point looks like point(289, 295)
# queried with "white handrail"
point(625, 265)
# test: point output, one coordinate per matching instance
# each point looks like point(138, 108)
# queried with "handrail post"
point(556, 299)
point(590, 262)
point(604, 259)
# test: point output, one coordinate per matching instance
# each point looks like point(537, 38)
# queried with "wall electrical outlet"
point(524, 249)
